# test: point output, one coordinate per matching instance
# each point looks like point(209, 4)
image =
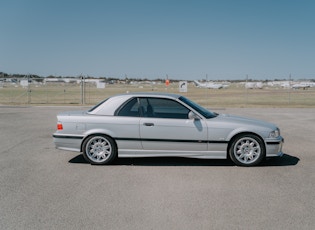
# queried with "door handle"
point(149, 124)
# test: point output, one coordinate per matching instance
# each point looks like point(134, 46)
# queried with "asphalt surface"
point(45, 188)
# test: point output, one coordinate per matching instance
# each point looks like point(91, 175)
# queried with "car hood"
point(244, 121)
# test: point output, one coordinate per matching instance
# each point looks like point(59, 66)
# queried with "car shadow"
point(285, 160)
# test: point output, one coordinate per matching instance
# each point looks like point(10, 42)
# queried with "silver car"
point(164, 125)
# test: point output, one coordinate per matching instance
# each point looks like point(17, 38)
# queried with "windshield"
point(204, 112)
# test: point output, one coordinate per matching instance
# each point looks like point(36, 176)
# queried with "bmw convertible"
point(164, 125)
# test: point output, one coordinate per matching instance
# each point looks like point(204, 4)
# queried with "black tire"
point(99, 149)
point(247, 150)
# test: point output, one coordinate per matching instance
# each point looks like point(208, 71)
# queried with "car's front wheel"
point(247, 150)
point(99, 149)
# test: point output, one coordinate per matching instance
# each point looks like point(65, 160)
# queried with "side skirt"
point(124, 153)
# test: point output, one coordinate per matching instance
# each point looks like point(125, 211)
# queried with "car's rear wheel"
point(99, 149)
point(247, 150)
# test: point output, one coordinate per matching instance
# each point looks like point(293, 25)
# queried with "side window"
point(163, 108)
point(130, 109)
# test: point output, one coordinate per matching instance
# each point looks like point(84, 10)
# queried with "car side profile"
point(164, 125)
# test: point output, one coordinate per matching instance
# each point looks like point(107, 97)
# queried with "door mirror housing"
point(193, 116)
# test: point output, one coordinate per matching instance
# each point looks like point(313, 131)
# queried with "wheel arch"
point(236, 135)
point(97, 134)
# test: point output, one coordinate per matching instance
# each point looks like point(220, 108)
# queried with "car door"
point(126, 122)
point(166, 128)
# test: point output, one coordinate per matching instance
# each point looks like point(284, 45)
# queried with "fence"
point(78, 92)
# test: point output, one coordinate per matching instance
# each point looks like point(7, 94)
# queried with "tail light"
point(59, 126)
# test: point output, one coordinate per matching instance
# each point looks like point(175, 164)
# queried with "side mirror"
point(193, 116)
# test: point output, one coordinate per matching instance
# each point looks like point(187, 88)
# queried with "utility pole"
point(289, 89)
point(28, 90)
point(246, 88)
point(82, 90)
point(207, 91)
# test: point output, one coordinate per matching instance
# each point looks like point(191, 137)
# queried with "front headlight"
point(275, 133)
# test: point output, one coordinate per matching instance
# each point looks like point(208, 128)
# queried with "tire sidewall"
point(260, 157)
point(112, 156)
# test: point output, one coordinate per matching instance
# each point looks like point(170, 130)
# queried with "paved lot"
point(45, 188)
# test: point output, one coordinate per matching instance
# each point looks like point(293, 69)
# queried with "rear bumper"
point(68, 142)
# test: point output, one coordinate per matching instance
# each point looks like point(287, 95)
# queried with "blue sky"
point(223, 39)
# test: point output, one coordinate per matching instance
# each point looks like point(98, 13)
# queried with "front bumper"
point(274, 147)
